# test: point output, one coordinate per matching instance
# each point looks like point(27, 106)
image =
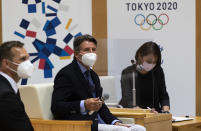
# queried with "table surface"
point(197, 120)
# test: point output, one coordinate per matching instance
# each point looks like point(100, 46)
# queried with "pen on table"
point(149, 108)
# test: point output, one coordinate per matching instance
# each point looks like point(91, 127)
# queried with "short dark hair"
point(5, 49)
point(78, 40)
point(149, 48)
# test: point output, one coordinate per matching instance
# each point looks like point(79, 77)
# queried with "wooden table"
point(152, 122)
point(60, 125)
point(190, 125)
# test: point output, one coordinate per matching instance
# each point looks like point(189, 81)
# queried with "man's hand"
point(93, 104)
point(121, 124)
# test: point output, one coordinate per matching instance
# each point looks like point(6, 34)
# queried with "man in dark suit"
point(13, 64)
point(77, 90)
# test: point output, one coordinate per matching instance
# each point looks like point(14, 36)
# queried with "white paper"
point(177, 119)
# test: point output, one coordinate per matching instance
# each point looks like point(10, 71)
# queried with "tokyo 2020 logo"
point(151, 21)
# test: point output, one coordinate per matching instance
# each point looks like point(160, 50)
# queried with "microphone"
point(132, 61)
point(138, 66)
point(103, 98)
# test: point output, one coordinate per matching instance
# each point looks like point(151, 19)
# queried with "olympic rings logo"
point(152, 21)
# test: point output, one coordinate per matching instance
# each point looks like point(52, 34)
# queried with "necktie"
point(87, 73)
point(90, 82)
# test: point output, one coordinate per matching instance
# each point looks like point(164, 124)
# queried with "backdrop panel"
point(169, 23)
point(48, 28)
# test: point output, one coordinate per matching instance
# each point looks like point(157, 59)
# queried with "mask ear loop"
point(14, 64)
point(77, 57)
point(12, 69)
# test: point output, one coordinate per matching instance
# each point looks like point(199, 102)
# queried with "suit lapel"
point(82, 79)
point(3, 79)
point(8, 85)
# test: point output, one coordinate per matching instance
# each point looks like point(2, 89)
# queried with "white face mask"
point(89, 59)
point(147, 67)
point(24, 69)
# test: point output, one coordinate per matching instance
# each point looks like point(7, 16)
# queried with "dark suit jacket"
point(70, 87)
point(12, 113)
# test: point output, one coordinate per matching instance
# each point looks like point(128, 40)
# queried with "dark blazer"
point(70, 87)
point(12, 113)
point(158, 93)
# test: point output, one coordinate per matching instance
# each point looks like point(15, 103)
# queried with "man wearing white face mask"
point(77, 90)
point(149, 81)
point(14, 65)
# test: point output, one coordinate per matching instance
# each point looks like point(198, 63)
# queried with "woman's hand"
point(166, 108)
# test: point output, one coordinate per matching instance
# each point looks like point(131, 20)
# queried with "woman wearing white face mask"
point(148, 78)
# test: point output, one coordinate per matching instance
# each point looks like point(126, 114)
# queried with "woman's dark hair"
point(78, 40)
point(149, 48)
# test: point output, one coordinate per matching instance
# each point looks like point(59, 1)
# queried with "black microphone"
point(132, 61)
point(105, 97)
point(138, 66)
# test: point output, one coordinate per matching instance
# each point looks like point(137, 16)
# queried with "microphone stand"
point(134, 89)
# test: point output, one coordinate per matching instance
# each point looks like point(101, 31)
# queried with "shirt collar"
point(11, 81)
point(82, 68)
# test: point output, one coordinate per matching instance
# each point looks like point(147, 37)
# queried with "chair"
point(37, 102)
point(37, 97)
point(109, 89)
point(108, 85)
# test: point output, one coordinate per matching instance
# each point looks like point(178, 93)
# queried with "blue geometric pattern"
point(32, 8)
point(44, 49)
